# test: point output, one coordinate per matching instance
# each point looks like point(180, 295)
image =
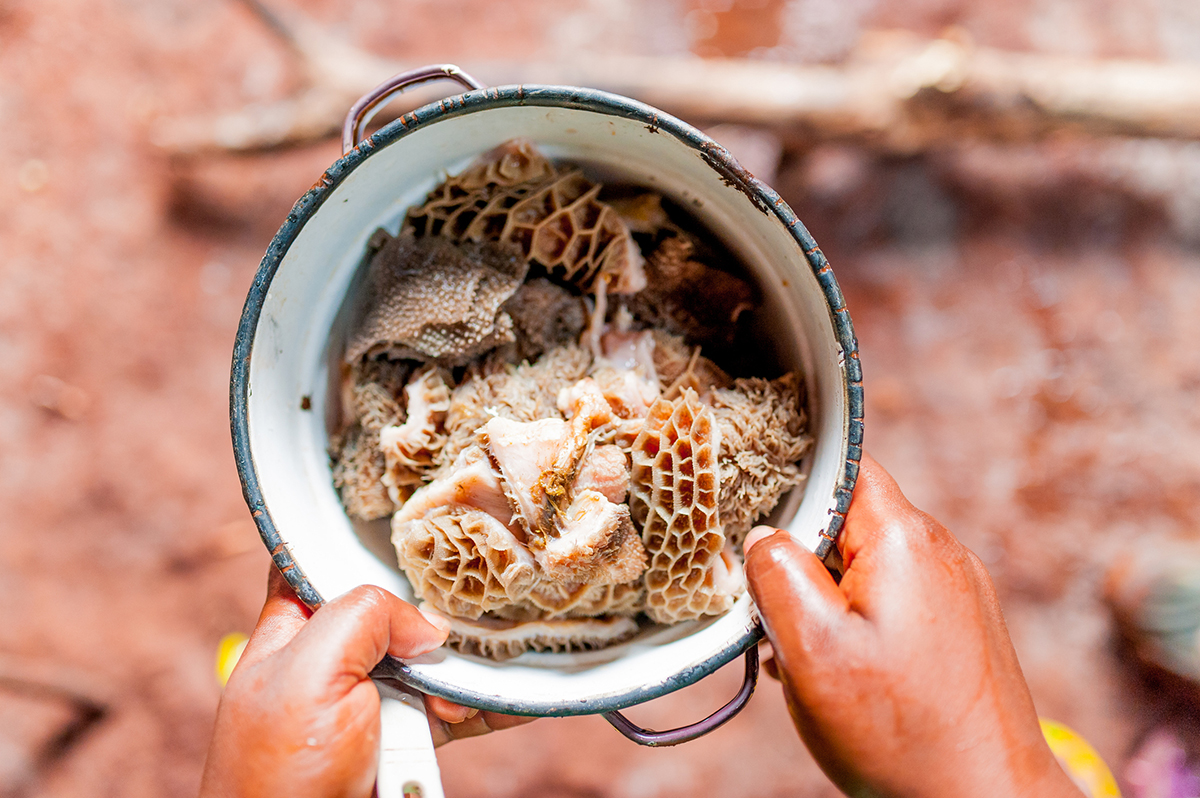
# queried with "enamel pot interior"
point(293, 329)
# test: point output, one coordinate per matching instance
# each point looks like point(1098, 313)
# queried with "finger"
point(448, 710)
point(483, 723)
point(283, 616)
point(766, 660)
point(801, 606)
point(770, 668)
point(875, 510)
point(350, 634)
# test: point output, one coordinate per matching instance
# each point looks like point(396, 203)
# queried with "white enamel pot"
point(291, 331)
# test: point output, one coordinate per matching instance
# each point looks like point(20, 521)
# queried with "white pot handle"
point(407, 765)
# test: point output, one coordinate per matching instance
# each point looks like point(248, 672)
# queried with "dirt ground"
point(1027, 317)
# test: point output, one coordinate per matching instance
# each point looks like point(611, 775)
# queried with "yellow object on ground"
point(1080, 760)
point(229, 651)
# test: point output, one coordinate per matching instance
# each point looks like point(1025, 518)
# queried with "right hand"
point(901, 680)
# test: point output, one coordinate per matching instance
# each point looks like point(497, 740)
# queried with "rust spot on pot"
point(322, 182)
point(732, 173)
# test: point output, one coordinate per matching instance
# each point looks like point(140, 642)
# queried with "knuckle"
point(973, 561)
point(982, 577)
point(916, 529)
point(365, 600)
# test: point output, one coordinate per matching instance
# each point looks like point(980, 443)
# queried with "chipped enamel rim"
point(764, 199)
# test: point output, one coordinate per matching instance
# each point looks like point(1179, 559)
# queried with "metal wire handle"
point(369, 104)
point(657, 739)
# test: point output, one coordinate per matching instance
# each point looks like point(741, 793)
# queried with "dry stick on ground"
point(87, 703)
point(895, 92)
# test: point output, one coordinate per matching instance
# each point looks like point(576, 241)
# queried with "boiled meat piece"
point(472, 482)
point(525, 452)
point(409, 448)
point(513, 195)
point(605, 469)
point(503, 639)
point(675, 491)
point(764, 435)
point(576, 533)
point(598, 544)
point(463, 561)
point(428, 299)
point(370, 402)
point(526, 392)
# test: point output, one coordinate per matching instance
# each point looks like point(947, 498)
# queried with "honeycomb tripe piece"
point(430, 299)
point(512, 163)
point(764, 435)
point(556, 218)
point(526, 392)
point(452, 205)
point(675, 489)
point(409, 448)
point(463, 561)
point(564, 227)
point(500, 639)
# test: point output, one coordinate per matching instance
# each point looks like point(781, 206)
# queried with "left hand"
point(300, 715)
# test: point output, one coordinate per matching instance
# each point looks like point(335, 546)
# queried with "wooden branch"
point(895, 92)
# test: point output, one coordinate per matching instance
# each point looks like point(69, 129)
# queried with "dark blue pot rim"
point(763, 198)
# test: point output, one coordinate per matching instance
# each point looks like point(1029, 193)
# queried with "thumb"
point(350, 634)
point(283, 616)
point(802, 608)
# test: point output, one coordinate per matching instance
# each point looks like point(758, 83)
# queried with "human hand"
point(902, 679)
point(300, 716)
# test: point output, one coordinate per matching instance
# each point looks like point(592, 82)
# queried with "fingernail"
point(471, 712)
point(442, 624)
point(757, 534)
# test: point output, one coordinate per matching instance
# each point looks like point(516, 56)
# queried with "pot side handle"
point(407, 765)
point(683, 734)
point(369, 104)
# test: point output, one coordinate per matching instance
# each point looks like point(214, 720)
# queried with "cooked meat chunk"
point(428, 299)
point(689, 298)
point(764, 436)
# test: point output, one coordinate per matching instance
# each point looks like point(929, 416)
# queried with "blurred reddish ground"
point(1027, 317)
